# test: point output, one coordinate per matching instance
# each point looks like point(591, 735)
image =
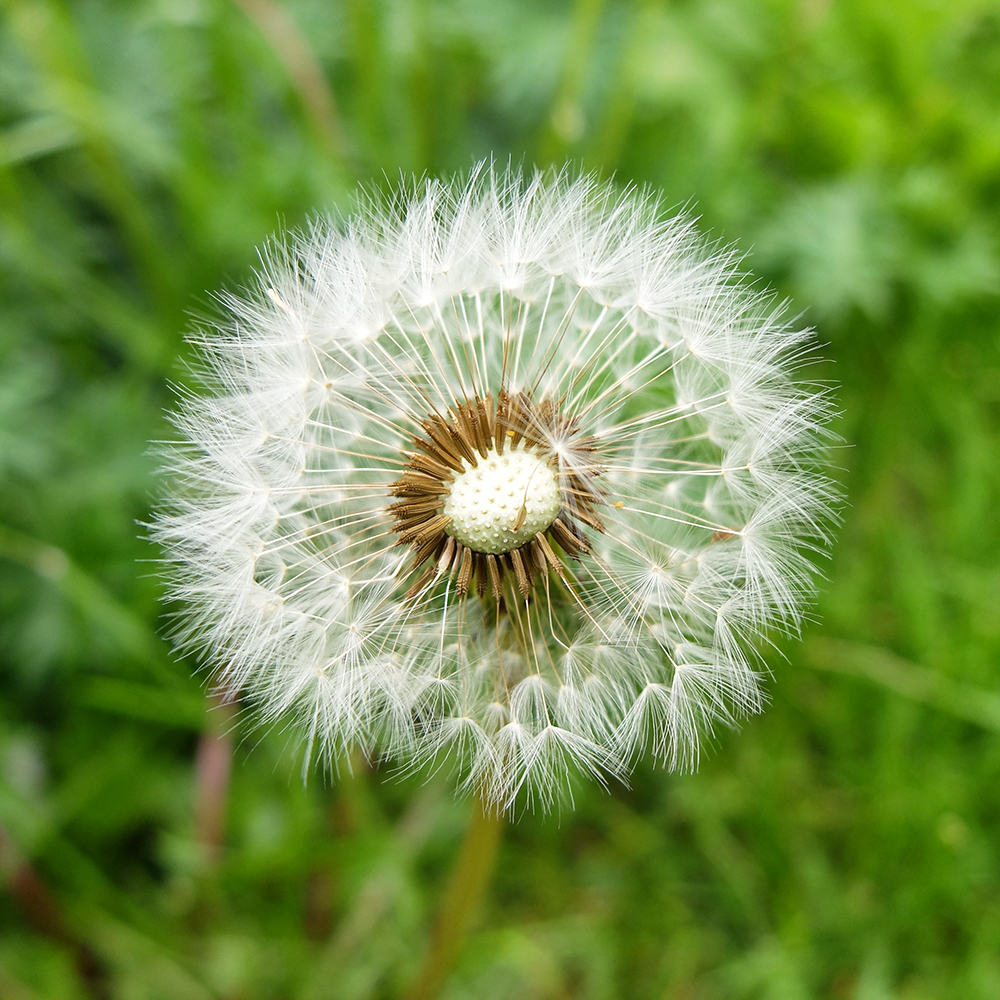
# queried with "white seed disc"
point(502, 502)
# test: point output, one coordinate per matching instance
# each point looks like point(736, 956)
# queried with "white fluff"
point(278, 540)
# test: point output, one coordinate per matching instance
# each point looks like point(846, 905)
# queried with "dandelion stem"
point(466, 888)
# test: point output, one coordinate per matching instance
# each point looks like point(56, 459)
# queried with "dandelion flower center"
point(503, 502)
point(489, 488)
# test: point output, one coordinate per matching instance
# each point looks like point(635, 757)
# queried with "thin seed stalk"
point(467, 886)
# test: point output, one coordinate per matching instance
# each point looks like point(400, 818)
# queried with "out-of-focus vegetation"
point(844, 845)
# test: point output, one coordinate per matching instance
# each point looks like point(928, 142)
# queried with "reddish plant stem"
point(213, 767)
point(44, 912)
point(300, 62)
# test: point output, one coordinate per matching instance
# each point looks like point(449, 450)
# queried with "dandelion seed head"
point(508, 475)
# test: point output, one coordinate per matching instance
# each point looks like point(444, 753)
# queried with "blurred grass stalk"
point(916, 683)
point(132, 635)
point(566, 122)
point(303, 68)
point(144, 340)
point(49, 37)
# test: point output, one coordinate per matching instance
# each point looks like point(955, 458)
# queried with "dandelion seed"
point(509, 473)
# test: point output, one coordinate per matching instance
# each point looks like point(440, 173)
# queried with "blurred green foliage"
point(844, 845)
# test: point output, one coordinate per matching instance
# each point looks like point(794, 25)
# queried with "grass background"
point(843, 845)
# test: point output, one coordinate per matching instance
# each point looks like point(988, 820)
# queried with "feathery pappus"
point(509, 472)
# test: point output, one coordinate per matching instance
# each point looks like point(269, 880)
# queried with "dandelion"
point(511, 474)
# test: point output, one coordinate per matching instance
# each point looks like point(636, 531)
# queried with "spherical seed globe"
point(509, 473)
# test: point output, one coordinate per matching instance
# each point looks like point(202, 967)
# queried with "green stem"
point(466, 888)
